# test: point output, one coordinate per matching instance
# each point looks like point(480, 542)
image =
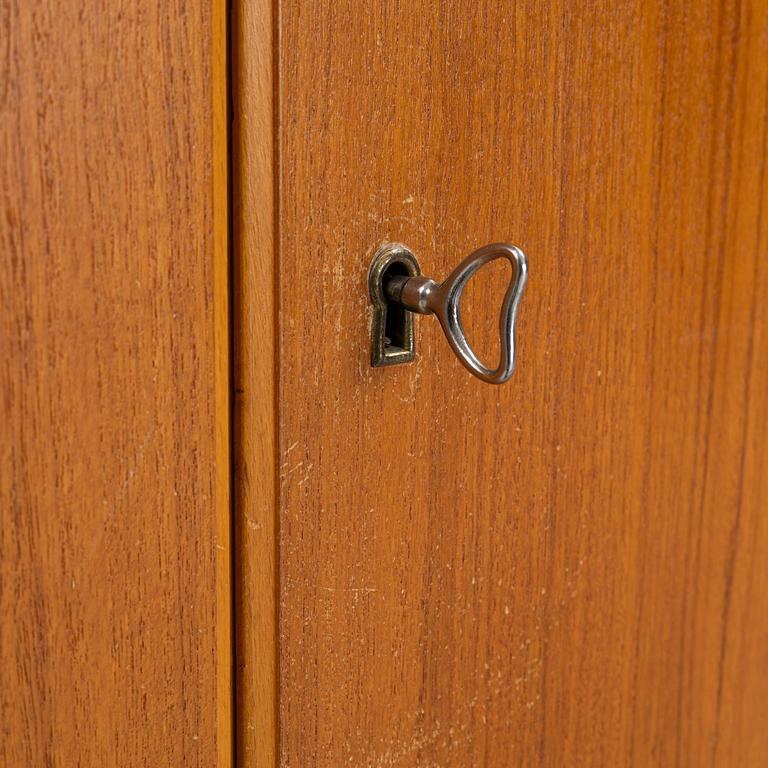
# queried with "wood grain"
point(115, 589)
point(569, 569)
point(255, 379)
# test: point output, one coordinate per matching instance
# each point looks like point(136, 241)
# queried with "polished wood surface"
point(568, 569)
point(115, 590)
point(255, 382)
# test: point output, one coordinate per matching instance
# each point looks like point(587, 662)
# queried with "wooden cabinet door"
point(115, 588)
point(565, 570)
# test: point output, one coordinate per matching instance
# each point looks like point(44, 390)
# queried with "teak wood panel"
point(566, 570)
point(255, 382)
point(115, 587)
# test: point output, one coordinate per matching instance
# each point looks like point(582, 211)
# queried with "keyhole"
point(392, 335)
point(394, 324)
